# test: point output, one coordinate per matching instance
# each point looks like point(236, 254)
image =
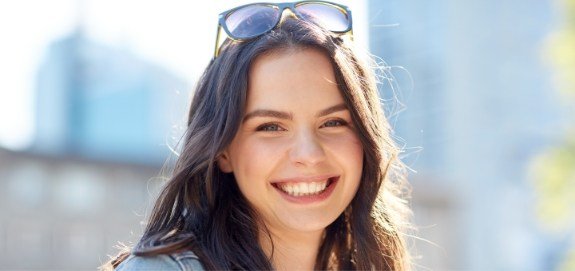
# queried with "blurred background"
point(93, 97)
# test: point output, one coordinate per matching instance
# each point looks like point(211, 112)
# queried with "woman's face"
point(296, 157)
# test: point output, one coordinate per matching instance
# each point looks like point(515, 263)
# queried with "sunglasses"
point(253, 20)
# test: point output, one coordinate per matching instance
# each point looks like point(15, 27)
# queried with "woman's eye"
point(270, 127)
point(334, 123)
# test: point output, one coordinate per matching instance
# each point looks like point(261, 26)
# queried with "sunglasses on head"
point(253, 20)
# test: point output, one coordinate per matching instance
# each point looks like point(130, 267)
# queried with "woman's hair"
point(202, 209)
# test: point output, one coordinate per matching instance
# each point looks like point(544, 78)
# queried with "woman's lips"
point(303, 189)
point(306, 190)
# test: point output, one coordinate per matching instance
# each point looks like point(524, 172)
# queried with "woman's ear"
point(224, 162)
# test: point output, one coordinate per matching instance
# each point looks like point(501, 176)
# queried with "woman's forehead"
point(283, 79)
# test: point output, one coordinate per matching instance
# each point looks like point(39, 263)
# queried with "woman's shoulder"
point(179, 261)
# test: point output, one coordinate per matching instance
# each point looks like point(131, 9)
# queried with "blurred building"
point(106, 103)
point(63, 213)
point(106, 120)
point(478, 106)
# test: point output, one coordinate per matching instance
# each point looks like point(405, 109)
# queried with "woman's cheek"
point(264, 150)
point(347, 140)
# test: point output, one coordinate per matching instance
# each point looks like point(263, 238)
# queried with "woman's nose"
point(307, 150)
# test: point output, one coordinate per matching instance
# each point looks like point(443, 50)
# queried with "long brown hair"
point(202, 209)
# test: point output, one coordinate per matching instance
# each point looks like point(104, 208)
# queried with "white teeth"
point(288, 189)
point(304, 188)
point(296, 190)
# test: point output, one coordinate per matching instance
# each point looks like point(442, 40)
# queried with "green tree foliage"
point(562, 51)
point(554, 170)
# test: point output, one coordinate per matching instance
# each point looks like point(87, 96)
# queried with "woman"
point(288, 162)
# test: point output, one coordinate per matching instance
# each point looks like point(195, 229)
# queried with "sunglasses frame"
point(281, 7)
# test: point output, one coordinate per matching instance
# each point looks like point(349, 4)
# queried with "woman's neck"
point(292, 251)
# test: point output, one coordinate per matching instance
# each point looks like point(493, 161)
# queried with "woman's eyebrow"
point(289, 116)
point(332, 109)
point(267, 113)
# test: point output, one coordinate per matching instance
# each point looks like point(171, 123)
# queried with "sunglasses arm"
point(217, 47)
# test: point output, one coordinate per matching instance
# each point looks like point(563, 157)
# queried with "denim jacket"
point(180, 261)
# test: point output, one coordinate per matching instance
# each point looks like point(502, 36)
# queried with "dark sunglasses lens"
point(252, 20)
point(330, 17)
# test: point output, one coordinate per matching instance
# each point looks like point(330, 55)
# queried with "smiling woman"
point(305, 157)
point(287, 163)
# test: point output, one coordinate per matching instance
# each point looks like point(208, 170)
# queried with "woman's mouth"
point(311, 190)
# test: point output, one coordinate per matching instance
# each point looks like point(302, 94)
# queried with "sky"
point(176, 34)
